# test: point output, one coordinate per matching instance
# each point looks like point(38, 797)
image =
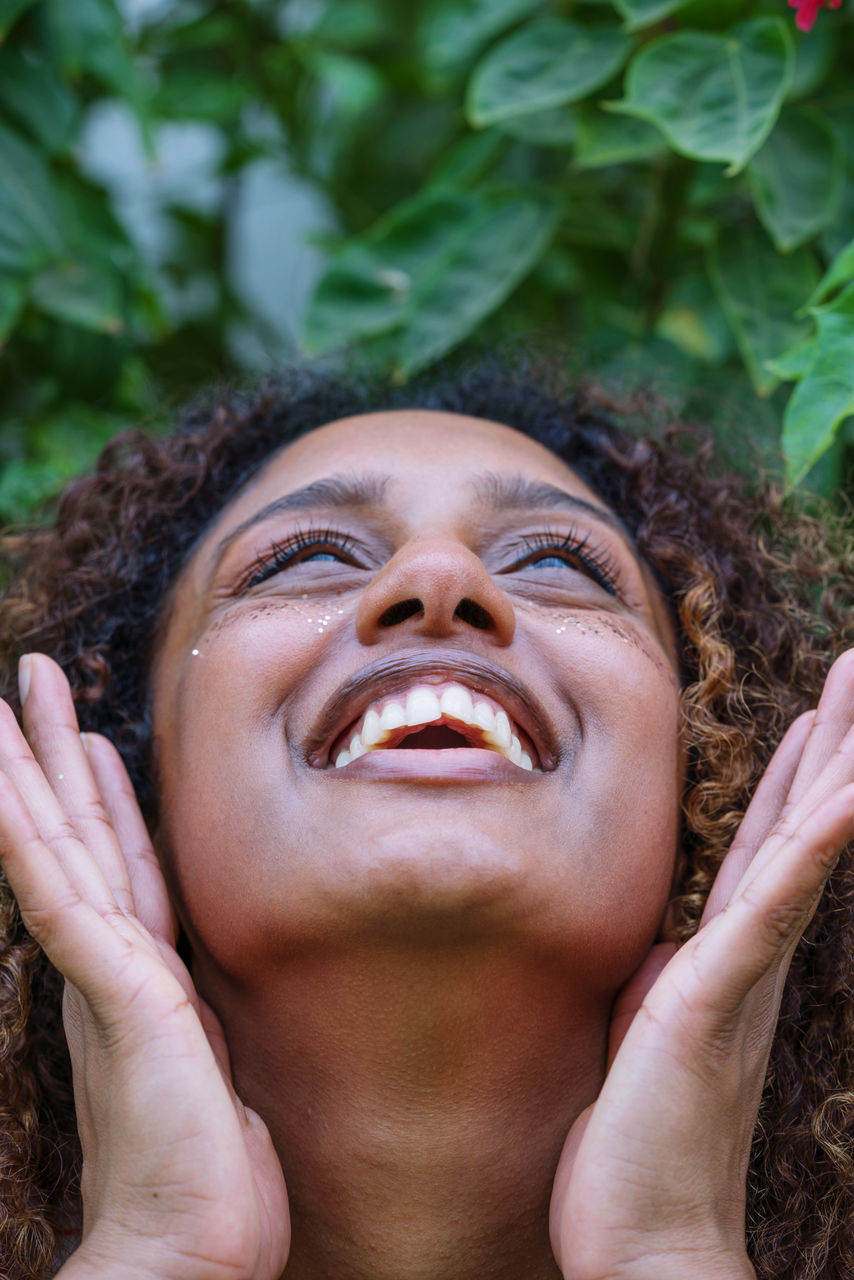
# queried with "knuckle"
point(45, 923)
point(806, 718)
point(783, 920)
point(89, 811)
point(64, 832)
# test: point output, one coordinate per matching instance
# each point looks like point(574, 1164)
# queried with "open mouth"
point(435, 717)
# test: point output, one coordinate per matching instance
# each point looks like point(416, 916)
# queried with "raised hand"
point(651, 1181)
point(180, 1180)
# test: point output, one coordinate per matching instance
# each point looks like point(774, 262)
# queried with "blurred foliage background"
point(662, 188)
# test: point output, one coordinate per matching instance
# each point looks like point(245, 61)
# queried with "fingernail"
point(25, 672)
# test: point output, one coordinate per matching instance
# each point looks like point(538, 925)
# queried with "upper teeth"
point(426, 704)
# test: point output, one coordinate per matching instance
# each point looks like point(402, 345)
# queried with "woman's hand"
point(180, 1179)
point(651, 1181)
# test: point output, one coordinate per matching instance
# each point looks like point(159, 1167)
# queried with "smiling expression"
point(415, 678)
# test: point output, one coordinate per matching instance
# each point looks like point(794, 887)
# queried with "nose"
point(435, 587)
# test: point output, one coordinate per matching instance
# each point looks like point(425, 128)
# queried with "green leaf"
point(29, 232)
point(643, 13)
point(428, 274)
point(714, 97)
point(10, 11)
point(505, 240)
point(24, 485)
point(604, 139)
point(760, 294)
point(824, 397)
point(88, 36)
point(546, 64)
point(368, 286)
point(80, 293)
point(693, 321)
point(13, 294)
point(840, 271)
point(452, 32)
point(32, 95)
point(560, 271)
point(468, 160)
point(355, 85)
point(794, 363)
point(62, 447)
point(72, 440)
point(603, 214)
point(212, 32)
point(553, 128)
point(351, 24)
point(202, 95)
point(796, 178)
point(813, 60)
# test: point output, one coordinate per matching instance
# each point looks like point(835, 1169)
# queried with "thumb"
point(631, 996)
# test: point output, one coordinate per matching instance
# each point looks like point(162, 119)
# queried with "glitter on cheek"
point(589, 628)
point(589, 624)
point(320, 617)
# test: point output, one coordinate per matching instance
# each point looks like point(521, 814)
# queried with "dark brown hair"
point(762, 598)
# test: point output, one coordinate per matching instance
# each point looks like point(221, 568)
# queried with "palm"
point(652, 1176)
point(179, 1177)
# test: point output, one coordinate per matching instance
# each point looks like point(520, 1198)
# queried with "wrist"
point(670, 1265)
point(90, 1262)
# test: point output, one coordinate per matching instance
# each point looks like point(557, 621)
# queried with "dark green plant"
point(663, 187)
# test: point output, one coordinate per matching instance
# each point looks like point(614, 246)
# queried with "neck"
point(418, 1099)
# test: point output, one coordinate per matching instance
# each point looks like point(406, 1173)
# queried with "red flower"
point(808, 11)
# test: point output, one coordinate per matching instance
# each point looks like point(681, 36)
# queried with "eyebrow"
point(515, 493)
point(491, 490)
point(334, 492)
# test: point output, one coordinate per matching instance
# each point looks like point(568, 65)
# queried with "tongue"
point(433, 735)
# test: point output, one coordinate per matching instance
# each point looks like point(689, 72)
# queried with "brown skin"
point(419, 1003)
point(414, 959)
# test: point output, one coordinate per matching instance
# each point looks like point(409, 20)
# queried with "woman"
point(443, 720)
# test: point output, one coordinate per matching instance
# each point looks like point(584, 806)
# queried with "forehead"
point(413, 447)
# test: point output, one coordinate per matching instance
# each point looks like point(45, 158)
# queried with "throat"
point(428, 1095)
point(432, 737)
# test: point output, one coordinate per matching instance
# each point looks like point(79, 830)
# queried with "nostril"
point(474, 614)
point(400, 612)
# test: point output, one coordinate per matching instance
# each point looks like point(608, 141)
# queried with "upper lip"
point(401, 670)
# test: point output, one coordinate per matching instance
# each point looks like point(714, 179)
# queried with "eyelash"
point(283, 554)
point(597, 562)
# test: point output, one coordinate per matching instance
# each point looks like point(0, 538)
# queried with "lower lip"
point(453, 764)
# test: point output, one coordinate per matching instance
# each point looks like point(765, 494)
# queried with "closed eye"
point(302, 546)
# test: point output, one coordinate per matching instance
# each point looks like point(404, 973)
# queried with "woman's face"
point(444, 571)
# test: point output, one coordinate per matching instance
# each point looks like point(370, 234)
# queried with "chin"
point(428, 886)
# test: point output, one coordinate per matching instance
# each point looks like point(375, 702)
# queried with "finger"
point(764, 811)
point(835, 776)
point(72, 796)
point(632, 995)
point(74, 933)
point(151, 899)
point(33, 791)
point(212, 1028)
point(834, 717)
point(762, 924)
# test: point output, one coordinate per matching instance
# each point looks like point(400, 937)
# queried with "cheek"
point(304, 618)
point(631, 766)
point(222, 751)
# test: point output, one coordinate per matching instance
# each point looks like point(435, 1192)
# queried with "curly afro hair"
point(762, 599)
